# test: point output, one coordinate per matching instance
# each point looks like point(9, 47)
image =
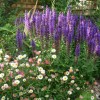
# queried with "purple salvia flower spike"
point(19, 39)
point(97, 50)
point(33, 45)
point(77, 50)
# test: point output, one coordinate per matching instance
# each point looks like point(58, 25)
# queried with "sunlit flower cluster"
point(32, 78)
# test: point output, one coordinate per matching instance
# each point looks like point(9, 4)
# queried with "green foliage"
point(7, 37)
point(6, 11)
point(86, 95)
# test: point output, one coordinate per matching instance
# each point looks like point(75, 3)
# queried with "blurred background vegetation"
point(8, 13)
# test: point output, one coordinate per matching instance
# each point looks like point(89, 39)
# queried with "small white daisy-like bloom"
point(78, 88)
point(8, 99)
point(40, 69)
point(18, 76)
point(77, 70)
point(67, 73)
point(92, 91)
point(46, 96)
point(92, 97)
point(20, 57)
point(13, 64)
point(39, 59)
point(71, 67)
point(1, 75)
point(21, 88)
point(72, 81)
point(69, 92)
point(1, 51)
point(6, 86)
point(68, 98)
point(17, 70)
point(40, 77)
point(2, 87)
point(24, 56)
point(46, 77)
point(16, 82)
point(49, 80)
point(65, 78)
point(54, 56)
point(3, 98)
point(53, 50)
point(27, 65)
point(24, 80)
point(36, 56)
point(43, 72)
point(39, 99)
point(20, 93)
point(30, 91)
point(5, 59)
point(81, 75)
point(7, 56)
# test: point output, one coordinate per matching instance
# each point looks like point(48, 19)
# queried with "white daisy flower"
point(20, 57)
point(3, 98)
point(30, 91)
point(24, 80)
point(68, 98)
point(1, 75)
point(67, 73)
point(6, 85)
point(65, 78)
point(2, 87)
point(72, 81)
point(53, 50)
point(69, 92)
point(27, 65)
point(49, 80)
point(92, 91)
point(92, 97)
point(54, 56)
point(78, 88)
point(13, 64)
point(20, 93)
point(40, 69)
point(16, 82)
point(43, 72)
point(40, 77)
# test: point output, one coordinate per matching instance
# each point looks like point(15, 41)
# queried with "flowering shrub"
point(65, 51)
point(23, 78)
point(75, 39)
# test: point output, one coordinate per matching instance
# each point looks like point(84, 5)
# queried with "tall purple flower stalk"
point(33, 45)
point(77, 50)
point(19, 39)
point(27, 21)
point(57, 42)
point(97, 50)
